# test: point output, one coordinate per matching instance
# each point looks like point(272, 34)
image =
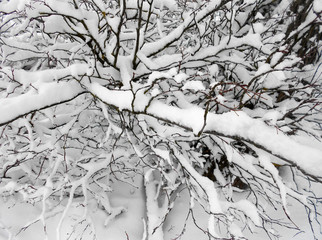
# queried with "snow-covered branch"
point(220, 98)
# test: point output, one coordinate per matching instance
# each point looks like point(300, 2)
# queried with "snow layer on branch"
point(227, 42)
point(256, 131)
point(48, 94)
point(228, 124)
point(12, 5)
point(249, 209)
point(209, 189)
point(192, 117)
point(120, 99)
point(55, 23)
point(64, 8)
point(157, 46)
point(317, 6)
point(170, 4)
point(267, 164)
point(49, 75)
point(194, 85)
point(206, 184)
point(9, 50)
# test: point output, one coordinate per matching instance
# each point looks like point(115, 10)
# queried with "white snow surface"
point(15, 215)
point(194, 85)
point(317, 6)
point(237, 124)
point(46, 89)
point(48, 94)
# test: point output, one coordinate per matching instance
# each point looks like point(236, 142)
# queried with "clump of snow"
point(47, 94)
point(180, 77)
point(274, 79)
point(121, 99)
point(249, 209)
point(55, 24)
point(306, 157)
point(264, 68)
point(235, 230)
point(170, 4)
point(267, 164)
point(172, 72)
point(12, 5)
point(259, 16)
point(258, 28)
point(272, 116)
point(206, 184)
point(155, 213)
point(169, 74)
point(276, 57)
point(126, 71)
point(213, 70)
point(163, 154)
point(221, 99)
point(267, 99)
point(155, 92)
point(317, 6)
point(194, 85)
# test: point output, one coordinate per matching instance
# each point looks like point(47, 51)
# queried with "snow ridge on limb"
point(209, 189)
point(40, 90)
point(155, 213)
point(47, 95)
point(151, 49)
point(233, 125)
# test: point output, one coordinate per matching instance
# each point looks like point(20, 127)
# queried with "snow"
point(121, 99)
point(272, 116)
point(126, 71)
point(259, 16)
point(274, 80)
point(55, 24)
point(15, 215)
point(317, 6)
point(258, 28)
point(170, 4)
point(232, 42)
point(12, 5)
point(155, 92)
point(249, 209)
point(228, 124)
point(191, 117)
point(221, 99)
point(208, 187)
point(307, 158)
point(49, 75)
point(150, 49)
point(264, 68)
point(147, 62)
point(48, 94)
point(276, 57)
point(166, 195)
point(163, 154)
point(267, 99)
point(213, 70)
point(180, 77)
point(155, 75)
point(194, 85)
point(267, 164)
point(155, 213)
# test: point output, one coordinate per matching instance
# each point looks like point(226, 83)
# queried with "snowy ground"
point(14, 215)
